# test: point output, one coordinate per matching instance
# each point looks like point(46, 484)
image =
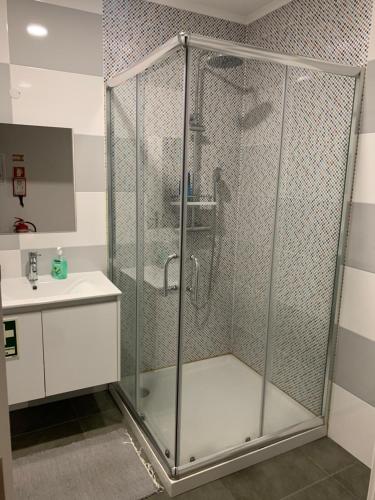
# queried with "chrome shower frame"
point(179, 478)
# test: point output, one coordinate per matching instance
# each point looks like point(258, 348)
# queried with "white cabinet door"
point(25, 374)
point(80, 347)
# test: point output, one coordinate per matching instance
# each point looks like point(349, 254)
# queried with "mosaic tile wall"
point(133, 28)
point(261, 121)
point(311, 186)
point(332, 30)
point(338, 32)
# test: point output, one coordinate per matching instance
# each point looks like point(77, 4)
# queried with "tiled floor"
point(56, 424)
point(317, 471)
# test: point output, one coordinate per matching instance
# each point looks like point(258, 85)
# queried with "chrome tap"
point(33, 268)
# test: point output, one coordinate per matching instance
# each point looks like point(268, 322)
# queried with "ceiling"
point(240, 11)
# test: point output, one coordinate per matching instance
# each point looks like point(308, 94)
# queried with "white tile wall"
point(58, 99)
point(10, 262)
point(91, 226)
point(4, 44)
point(364, 181)
point(358, 300)
point(352, 424)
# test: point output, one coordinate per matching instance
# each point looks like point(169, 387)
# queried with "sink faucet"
point(33, 268)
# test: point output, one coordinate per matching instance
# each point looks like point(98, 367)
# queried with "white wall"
point(60, 84)
point(352, 418)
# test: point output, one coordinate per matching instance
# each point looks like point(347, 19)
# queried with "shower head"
point(256, 115)
point(224, 62)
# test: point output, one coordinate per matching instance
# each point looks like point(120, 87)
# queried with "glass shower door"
point(147, 137)
point(235, 129)
point(160, 129)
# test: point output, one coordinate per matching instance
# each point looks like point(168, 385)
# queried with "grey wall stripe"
point(368, 113)
point(80, 259)
point(354, 368)
point(5, 100)
point(74, 42)
point(361, 241)
point(9, 242)
point(89, 166)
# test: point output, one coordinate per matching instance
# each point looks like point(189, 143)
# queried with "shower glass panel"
point(228, 184)
point(123, 159)
point(160, 134)
point(316, 133)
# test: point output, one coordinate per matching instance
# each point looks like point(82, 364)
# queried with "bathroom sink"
point(18, 292)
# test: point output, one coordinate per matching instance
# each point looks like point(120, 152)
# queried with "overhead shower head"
point(224, 62)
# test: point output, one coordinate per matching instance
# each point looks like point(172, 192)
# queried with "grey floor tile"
point(356, 479)
point(275, 478)
point(329, 489)
point(89, 404)
point(328, 455)
point(103, 422)
point(211, 491)
point(38, 417)
point(44, 439)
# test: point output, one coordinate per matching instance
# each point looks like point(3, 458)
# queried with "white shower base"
point(221, 406)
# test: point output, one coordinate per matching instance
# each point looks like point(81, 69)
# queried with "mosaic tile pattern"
point(312, 178)
point(162, 132)
point(133, 28)
point(332, 30)
point(259, 163)
point(208, 327)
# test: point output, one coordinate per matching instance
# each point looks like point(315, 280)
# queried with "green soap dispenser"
point(59, 266)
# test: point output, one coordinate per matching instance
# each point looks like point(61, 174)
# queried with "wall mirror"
point(36, 179)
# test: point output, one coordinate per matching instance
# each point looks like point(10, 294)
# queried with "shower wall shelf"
point(197, 229)
point(196, 203)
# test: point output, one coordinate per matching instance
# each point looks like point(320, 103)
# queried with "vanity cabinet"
point(80, 347)
point(25, 371)
point(63, 349)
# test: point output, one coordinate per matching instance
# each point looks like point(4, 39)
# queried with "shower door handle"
point(166, 287)
point(193, 289)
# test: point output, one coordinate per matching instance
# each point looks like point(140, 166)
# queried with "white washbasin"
point(18, 292)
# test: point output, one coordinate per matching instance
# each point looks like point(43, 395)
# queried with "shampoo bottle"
point(59, 266)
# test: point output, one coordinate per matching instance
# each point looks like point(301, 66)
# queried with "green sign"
point(10, 338)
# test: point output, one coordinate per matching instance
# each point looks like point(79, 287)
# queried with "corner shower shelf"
point(196, 229)
point(196, 203)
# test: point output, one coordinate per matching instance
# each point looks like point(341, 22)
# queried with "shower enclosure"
point(230, 173)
